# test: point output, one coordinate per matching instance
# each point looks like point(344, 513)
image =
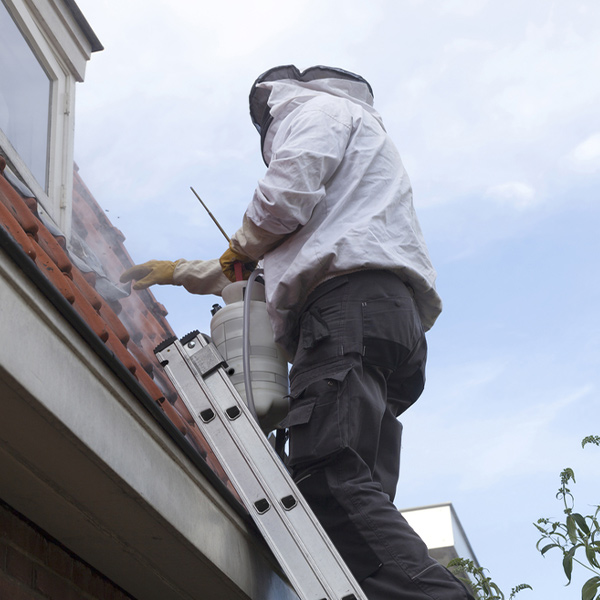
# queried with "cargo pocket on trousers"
point(317, 420)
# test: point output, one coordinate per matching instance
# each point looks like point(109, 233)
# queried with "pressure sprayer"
point(242, 332)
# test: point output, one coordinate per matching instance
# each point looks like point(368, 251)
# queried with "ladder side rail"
point(292, 557)
point(291, 529)
point(274, 479)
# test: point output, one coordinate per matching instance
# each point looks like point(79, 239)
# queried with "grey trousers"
point(360, 363)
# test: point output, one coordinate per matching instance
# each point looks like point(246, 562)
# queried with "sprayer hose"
point(246, 341)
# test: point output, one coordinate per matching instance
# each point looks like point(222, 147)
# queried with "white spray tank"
point(244, 321)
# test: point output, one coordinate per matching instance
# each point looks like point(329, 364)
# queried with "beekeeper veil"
point(317, 78)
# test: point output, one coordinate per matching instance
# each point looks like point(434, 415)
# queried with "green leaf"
point(589, 589)
point(457, 562)
point(581, 523)
point(590, 439)
point(560, 535)
point(567, 475)
point(497, 593)
point(539, 528)
point(571, 529)
point(519, 588)
point(546, 548)
point(590, 554)
point(568, 563)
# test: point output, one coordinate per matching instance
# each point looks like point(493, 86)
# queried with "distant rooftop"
point(439, 527)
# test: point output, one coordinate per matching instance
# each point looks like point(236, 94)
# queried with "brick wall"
point(33, 566)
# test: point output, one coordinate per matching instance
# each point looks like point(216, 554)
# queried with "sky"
point(494, 108)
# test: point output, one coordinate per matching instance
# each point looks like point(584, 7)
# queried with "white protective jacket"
point(337, 193)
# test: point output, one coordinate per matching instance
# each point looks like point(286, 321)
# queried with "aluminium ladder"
point(306, 554)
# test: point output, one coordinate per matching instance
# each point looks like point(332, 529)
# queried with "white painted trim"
point(62, 32)
point(22, 169)
point(63, 50)
point(439, 527)
point(61, 148)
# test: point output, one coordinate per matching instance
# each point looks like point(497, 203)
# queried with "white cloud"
point(470, 380)
point(585, 157)
point(546, 73)
point(488, 446)
point(517, 194)
point(464, 8)
point(520, 441)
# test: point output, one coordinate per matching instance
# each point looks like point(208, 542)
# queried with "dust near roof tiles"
point(130, 327)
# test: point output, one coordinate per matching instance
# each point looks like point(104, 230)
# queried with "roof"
point(95, 43)
point(128, 325)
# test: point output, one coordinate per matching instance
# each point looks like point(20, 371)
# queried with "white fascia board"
point(61, 29)
point(82, 459)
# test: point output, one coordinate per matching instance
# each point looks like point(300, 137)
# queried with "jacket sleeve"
point(254, 241)
point(200, 276)
point(307, 149)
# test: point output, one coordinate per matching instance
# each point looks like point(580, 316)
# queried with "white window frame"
point(63, 49)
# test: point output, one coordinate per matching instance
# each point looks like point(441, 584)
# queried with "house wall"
point(33, 566)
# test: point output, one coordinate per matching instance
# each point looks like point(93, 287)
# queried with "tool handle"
point(239, 270)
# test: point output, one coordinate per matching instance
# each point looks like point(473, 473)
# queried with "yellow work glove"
point(150, 273)
point(230, 257)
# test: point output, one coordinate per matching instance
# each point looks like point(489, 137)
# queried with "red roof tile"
point(109, 315)
point(91, 295)
point(12, 226)
point(19, 210)
point(130, 327)
point(54, 250)
point(49, 268)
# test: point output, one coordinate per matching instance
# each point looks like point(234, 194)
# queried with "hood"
point(280, 90)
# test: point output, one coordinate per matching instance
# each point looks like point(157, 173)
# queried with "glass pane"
point(24, 98)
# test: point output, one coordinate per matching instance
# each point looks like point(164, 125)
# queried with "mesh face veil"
point(259, 107)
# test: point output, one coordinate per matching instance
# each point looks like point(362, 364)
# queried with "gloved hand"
point(150, 273)
point(248, 245)
point(230, 257)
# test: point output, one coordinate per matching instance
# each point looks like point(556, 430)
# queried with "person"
point(350, 291)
